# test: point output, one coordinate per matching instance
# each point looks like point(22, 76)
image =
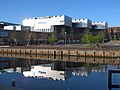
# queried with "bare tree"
point(29, 36)
point(13, 36)
point(33, 37)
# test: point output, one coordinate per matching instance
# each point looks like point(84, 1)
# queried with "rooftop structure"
point(100, 25)
point(83, 23)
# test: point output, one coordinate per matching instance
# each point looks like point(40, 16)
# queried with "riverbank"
point(62, 50)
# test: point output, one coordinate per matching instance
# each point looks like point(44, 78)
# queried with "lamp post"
point(114, 38)
point(65, 37)
point(114, 35)
point(2, 40)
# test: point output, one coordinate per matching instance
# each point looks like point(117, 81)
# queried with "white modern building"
point(100, 25)
point(52, 23)
point(46, 24)
point(82, 23)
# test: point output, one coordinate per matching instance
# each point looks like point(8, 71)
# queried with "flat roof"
point(7, 23)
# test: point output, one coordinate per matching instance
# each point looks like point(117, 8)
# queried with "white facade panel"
point(39, 24)
point(18, 28)
point(8, 27)
point(11, 27)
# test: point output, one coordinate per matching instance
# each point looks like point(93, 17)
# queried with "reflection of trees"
point(24, 64)
point(93, 67)
point(87, 67)
point(59, 66)
point(77, 68)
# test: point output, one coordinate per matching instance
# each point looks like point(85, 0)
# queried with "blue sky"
point(96, 10)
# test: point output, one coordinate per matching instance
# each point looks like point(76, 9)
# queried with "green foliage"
point(98, 38)
point(88, 38)
point(89, 66)
point(52, 38)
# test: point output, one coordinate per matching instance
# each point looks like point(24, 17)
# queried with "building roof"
point(45, 17)
point(7, 23)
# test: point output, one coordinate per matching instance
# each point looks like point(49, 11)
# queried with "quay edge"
point(63, 52)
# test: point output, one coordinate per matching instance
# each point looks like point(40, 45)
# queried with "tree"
point(88, 38)
point(1, 40)
point(29, 37)
point(13, 37)
point(33, 37)
point(98, 38)
point(52, 38)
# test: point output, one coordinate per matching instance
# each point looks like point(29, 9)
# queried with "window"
point(62, 74)
point(40, 30)
point(41, 72)
point(61, 21)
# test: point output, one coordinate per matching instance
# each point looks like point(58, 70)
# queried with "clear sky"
point(96, 10)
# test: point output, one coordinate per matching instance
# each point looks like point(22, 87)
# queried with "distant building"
point(10, 31)
point(16, 27)
point(113, 32)
point(101, 28)
point(66, 30)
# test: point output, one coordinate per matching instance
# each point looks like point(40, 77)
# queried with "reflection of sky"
point(95, 81)
point(116, 78)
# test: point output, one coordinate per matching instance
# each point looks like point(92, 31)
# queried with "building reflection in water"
point(53, 70)
point(46, 71)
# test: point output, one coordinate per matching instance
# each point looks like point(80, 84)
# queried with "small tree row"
point(88, 38)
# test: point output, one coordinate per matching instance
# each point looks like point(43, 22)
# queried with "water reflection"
point(32, 74)
point(54, 70)
point(46, 71)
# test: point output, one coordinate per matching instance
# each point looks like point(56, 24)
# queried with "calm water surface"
point(55, 75)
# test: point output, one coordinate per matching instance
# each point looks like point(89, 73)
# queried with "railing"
point(110, 84)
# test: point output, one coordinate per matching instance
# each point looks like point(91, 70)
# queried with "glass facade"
point(4, 34)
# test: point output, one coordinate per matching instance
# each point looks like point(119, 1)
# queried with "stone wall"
point(63, 52)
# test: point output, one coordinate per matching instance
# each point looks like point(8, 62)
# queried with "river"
point(39, 74)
